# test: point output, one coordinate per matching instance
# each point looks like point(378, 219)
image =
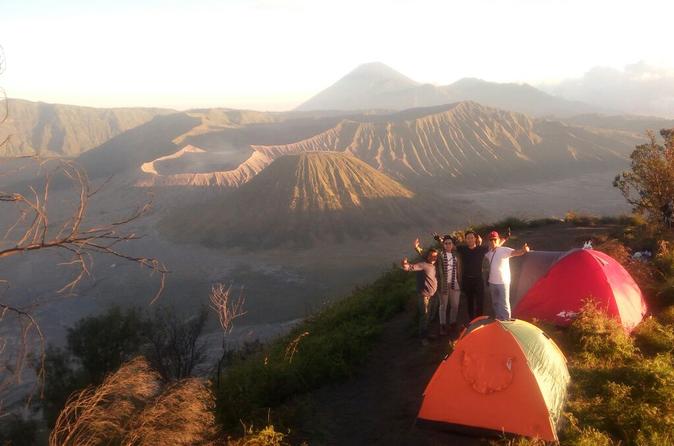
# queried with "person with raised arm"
point(427, 285)
point(498, 257)
point(448, 271)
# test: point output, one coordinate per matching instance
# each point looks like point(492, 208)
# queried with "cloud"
point(639, 88)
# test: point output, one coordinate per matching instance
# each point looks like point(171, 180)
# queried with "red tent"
point(558, 296)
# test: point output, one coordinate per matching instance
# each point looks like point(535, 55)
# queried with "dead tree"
point(33, 230)
point(228, 308)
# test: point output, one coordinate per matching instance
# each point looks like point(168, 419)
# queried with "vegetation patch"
point(621, 386)
point(327, 348)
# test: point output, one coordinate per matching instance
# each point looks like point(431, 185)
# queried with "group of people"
point(452, 270)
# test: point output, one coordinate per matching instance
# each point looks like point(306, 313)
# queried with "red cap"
point(493, 234)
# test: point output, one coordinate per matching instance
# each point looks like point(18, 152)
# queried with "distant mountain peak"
point(360, 88)
point(379, 70)
point(470, 81)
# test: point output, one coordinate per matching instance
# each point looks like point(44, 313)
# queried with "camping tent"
point(526, 270)
point(558, 295)
point(502, 377)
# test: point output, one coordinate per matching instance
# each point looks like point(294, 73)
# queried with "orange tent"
point(502, 377)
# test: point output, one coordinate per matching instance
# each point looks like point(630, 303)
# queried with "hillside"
point(463, 142)
point(302, 198)
point(522, 98)
point(66, 130)
point(376, 86)
point(470, 142)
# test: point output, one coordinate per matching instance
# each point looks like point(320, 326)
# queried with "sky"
point(275, 54)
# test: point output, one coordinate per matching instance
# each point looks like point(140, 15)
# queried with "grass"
point(327, 348)
point(622, 386)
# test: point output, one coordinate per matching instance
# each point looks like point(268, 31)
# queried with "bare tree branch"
point(225, 306)
point(228, 309)
point(33, 231)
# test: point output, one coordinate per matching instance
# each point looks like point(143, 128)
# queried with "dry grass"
point(102, 415)
point(131, 408)
point(181, 415)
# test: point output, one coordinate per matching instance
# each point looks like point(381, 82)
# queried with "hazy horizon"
point(274, 55)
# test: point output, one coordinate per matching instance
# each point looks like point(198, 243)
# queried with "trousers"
point(452, 297)
point(500, 300)
point(427, 309)
point(473, 290)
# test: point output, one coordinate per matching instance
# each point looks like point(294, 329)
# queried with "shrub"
point(597, 338)
point(653, 337)
point(103, 343)
point(615, 249)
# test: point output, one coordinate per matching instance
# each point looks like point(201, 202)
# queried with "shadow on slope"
point(302, 199)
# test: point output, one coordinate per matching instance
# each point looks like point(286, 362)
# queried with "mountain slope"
point(66, 130)
point(300, 199)
point(376, 86)
point(467, 141)
point(522, 98)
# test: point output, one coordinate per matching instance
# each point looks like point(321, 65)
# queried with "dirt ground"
point(379, 405)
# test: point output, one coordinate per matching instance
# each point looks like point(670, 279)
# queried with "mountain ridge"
point(40, 128)
point(348, 93)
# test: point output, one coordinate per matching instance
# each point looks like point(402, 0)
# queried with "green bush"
point(325, 349)
point(104, 342)
point(598, 339)
point(652, 337)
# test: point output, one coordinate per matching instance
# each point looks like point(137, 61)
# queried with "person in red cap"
point(499, 274)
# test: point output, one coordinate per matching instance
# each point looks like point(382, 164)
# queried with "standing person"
point(427, 285)
point(499, 274)
point(472, 284)
point(448, 272)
